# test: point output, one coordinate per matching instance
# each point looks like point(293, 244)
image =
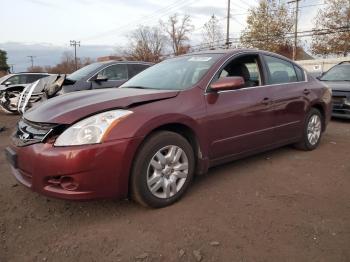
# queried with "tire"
point(160, 166)
point(312, 131)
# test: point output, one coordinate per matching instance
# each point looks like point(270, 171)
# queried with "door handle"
point(306, 91)
point(266, 101)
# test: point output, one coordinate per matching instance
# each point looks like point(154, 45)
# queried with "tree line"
point(269, 26)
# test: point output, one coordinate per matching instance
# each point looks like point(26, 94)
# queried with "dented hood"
point(69, 108)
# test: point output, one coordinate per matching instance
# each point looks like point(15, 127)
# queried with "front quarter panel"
point(186, 109)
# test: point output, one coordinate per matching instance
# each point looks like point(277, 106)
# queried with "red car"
point(176, 119)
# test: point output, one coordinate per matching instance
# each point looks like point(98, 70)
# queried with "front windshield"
point(337, 73)
point(174, 74)
point(83, 72)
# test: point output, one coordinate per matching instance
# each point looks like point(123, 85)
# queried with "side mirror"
point(101, 78)
point(8, 83)
point(228, 83)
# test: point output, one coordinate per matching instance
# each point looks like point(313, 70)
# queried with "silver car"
point(11, 87)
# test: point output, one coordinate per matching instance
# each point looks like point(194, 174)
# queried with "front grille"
point(28, 133)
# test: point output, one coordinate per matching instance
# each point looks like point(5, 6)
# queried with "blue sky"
point(43, 28)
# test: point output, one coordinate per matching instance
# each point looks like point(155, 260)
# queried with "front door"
point(240, 121)
point(115, 76)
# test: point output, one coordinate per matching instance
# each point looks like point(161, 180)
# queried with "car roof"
point(110, 62)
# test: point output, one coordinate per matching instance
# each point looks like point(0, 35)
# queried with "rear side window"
point(134, 69)
point(280, 71)
point(33, 78)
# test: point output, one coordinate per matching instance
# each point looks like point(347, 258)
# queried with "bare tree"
point(212, 33)
point(66, 66)
point(268, 26)
point(178, 30)
point(146, 44)
point(332, 29)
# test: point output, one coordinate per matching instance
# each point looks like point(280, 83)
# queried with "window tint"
point(280, 71)
point(246, 67)
point(134, 69)
point(115, 72)
point(300, 73)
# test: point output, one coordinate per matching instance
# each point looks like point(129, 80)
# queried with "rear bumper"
point(77, 172)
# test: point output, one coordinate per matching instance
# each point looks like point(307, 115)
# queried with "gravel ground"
point(283, 205)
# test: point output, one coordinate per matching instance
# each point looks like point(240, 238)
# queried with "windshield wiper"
point(136, 87)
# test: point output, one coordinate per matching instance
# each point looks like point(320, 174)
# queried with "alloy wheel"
point(314, 129)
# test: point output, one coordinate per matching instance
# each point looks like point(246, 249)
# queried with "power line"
point(155, 15)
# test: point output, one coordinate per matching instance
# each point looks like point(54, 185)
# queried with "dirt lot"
point(284, 205)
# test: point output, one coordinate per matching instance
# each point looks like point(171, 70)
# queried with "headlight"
point(91, 130)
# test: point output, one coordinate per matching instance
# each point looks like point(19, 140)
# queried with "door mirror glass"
point(101, 78)
point(8, 83)
point(228, 83)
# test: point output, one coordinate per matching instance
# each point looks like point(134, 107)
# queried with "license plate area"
point(11, 157)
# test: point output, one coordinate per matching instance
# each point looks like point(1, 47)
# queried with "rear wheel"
point(312, 131)
point(163, 170)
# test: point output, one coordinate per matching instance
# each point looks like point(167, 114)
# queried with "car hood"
point(69, 108)
point(338, 85)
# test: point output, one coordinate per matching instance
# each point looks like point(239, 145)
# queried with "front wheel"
point(163, 170)
point(312, 131)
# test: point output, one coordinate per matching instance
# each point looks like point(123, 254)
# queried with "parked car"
point(94, 76)
point(178, 118)
point(338, 78)
point(12, 85)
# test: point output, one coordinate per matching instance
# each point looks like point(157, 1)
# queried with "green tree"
point(3, 61)
point(332, 29)
point(268, 26)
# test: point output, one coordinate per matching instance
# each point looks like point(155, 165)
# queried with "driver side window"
point(245, 66)
point(115, 72)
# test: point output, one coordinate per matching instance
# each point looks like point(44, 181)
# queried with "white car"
point(11, 87)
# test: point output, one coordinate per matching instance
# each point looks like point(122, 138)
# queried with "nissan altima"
point(147, 139)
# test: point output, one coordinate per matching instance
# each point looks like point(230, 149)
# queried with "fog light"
point(68, 183)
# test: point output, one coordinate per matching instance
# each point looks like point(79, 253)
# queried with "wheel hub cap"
point(167, 171)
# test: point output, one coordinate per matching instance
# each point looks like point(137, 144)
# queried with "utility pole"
point(11, 66)
point(295, 50)
point(75, 44)
point(228, 24)
point(31, 57)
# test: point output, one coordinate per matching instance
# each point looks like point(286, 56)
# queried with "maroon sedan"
point(176, 119)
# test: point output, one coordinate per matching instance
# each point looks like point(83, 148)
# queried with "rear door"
point(116, 75)
point(240, 121)
point(289, 94)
